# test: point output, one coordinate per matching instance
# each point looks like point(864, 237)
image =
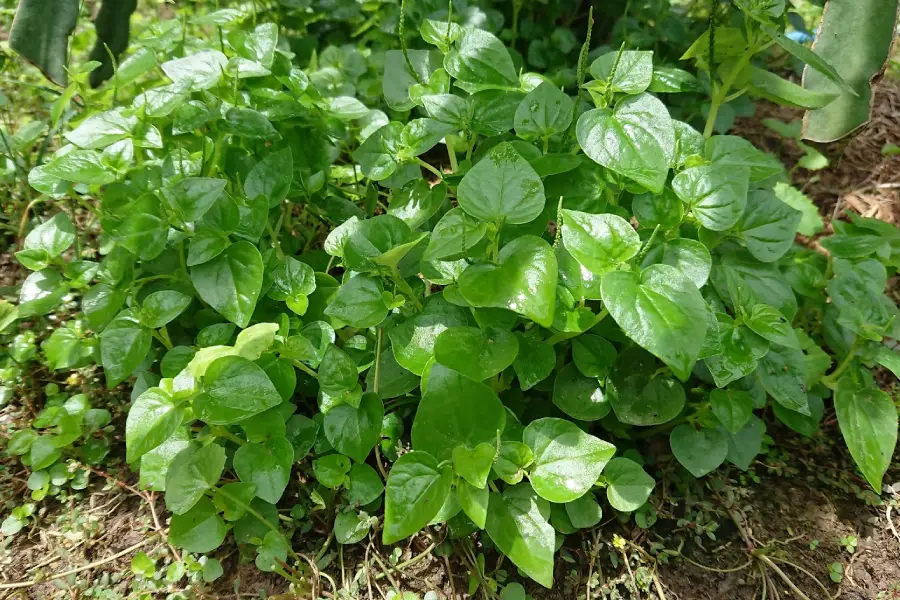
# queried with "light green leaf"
point(868, 421)
point(698, 450)
point(628, 485)
point(502, 188)
point(152, 420)
point(231, 282)
point(716, 193)
point(599, 242)
point(517, 523)
point(416, 489)
point(266, 465)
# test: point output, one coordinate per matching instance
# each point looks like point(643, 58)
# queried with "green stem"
point(305, 369)
point(451, 153)
point(546, 144)
point(400, 34)
point(405, 288)
point(422, 163)
point(719, 95)
point(567, 335)
point(165, 342)
point(647, 245)
point(378, 361)
point(224, 433)
point(265, 522)
point(831, 379)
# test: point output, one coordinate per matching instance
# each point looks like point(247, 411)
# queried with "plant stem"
point(305, 369)
point(719, 95)
point(422, 163)
point(451, 153)
point(264, 521)
point(378, 361)
point(224, 433)
point(647, 245)
point(831, 379)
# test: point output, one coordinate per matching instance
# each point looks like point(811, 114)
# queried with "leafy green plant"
point(582, 272)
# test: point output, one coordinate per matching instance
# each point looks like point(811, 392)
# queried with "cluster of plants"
point(469, 300)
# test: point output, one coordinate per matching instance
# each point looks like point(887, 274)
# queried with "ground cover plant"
point(471, 302)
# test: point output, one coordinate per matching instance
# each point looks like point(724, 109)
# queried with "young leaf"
point(698, 450)
point(480, 58)
point(474, 501)
point(502, 188)
point(523, 280)
point(517, 523)
point(543, 112)
point(474, 465)
point(567, 461)
point(629, 486)
point(266, 465)
point(633, 70)
point(716, 193)
point(153, 418)
point(235, 389)
point(661, 310)
point(231, 282)
point(415, 491)
point(868, 421)
point(455, 410)
point(355, 431)
point(635, 139)
point(599, 242)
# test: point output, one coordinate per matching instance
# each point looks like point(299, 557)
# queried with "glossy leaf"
point(416, 488)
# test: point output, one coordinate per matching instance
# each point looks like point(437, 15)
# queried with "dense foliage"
point(484, 340)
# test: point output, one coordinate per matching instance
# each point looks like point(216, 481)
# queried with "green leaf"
point(266, 465)
point(768, 226)
point(80, 166)
point(781, 91)
point(40, 33)
point(767, 322)
point(868, 30)
point(234, 498)
point(155, 463)
point(474, 501)
point(331, 471)
point(599, 242)
point(637, 401)
point(745, 444)
point(53, 236)
point(733, 408)
point(628, 485)
point(144, 230)
point(337, 372)
point(44, 452)
point(868, 421)
point(235, 389)
point(398, 78)
point(665, 209)
point(192, 197)
point(534, 362)
point(633, 70)
point(351, 527)
point(159, 308)
point(454, 235)
point(447, 108)
point(250, 124)
point(517, 523)
point(593, 355)
point(124, 344)
point(716, 194)
point(41, 292)
point(417, 201)
point(377, 156)
point(698, 450)
point(421, 135)
point(810, 221)
point(365, 485)
point(502, 188)
point(271, 178)
point(584, 512)
point(688, 256)
point(359, 302)
point(455, 410)
point(662, 311)
point(200, 70)
point(544, 111)
point(476, 353)
point(782, 371)
point(193, 471)
point(578, 396)
point(736, 275)
point(413, 341)
point(152, 420)
point(301, 432)
point(355, 431)
point(494, 111)
point(567, 461)
point(480, 58)
point(474, 465)
point(523, 280)
point(415, 491)
point(733, 151)
point(636, 139)
point(199, 530)
point(739, 351)
point(231, 282)
point(512, 461)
